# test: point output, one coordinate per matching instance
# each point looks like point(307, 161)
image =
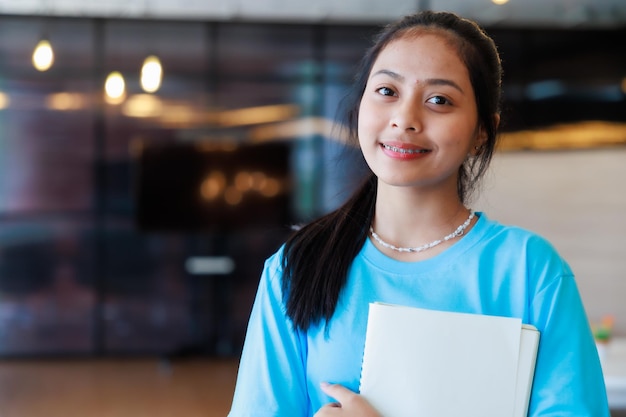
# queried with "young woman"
point(425, 113)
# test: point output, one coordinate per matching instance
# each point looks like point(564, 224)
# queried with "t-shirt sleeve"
point(271, 378)
point(568, 375)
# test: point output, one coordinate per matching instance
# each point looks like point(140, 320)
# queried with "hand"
point(348, 403)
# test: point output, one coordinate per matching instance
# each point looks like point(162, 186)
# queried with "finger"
point(337, 391)
point(328, 410)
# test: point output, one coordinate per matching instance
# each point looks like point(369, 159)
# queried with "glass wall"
point(47, 197)
point(81, 270)
point(99, 250)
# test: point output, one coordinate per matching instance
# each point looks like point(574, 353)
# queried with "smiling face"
point(418, 119)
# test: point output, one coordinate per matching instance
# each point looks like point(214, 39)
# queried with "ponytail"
point(317, 258)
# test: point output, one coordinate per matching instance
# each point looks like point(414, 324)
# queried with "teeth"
point(403, 150)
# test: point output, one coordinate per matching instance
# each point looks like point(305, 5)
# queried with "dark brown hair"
point(317, 257)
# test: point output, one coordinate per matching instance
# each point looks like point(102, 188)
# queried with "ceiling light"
point(499, 2)
point(114, 88)
point(151, 74)
point(43, 56)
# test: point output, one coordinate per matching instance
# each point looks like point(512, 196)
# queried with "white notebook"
point(420, 362)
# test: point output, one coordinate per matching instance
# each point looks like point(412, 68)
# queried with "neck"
point(407, 207)
point(404, 218)
point(459, 231)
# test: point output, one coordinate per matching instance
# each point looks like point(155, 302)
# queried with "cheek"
point(461, 133)
point(362, 123)
point(368, 121)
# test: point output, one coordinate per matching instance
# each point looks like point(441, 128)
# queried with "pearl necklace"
point(458, 232)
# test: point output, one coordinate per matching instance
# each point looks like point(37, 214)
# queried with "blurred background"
point(153, 153)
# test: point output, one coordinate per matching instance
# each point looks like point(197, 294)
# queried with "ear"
point(481, 137)
point(479, 142)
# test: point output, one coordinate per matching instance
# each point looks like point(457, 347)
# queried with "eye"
point(386, 91)
point(439, 100)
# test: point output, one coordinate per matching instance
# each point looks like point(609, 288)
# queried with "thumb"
point(337, 391)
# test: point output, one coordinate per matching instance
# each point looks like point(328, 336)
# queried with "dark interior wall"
point(561, 75)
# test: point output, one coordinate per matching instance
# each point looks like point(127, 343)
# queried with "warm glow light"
point(271, 188)
point(65, 101)
point(115, 88)
point(151, 74)
point(217, 187)
point(4, 100)
point(257, 115)
point(624, 85)
point(179, 115)
point(579, 135)
point(499, 1)
point(43, 56)
point(303, 127)
point(243, 181)
point(232, 196)
point(143, 105)
point(213, 186)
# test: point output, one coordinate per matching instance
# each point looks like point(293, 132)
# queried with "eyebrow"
point(428, 81)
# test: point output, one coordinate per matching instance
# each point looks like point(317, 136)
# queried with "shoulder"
point(505, 241)
point(273, 267)
point(275, 261)
point(515, 236)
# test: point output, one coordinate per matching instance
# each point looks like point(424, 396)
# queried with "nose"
point(407, 116)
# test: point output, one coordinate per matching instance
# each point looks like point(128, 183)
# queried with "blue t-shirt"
point(493, 269)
